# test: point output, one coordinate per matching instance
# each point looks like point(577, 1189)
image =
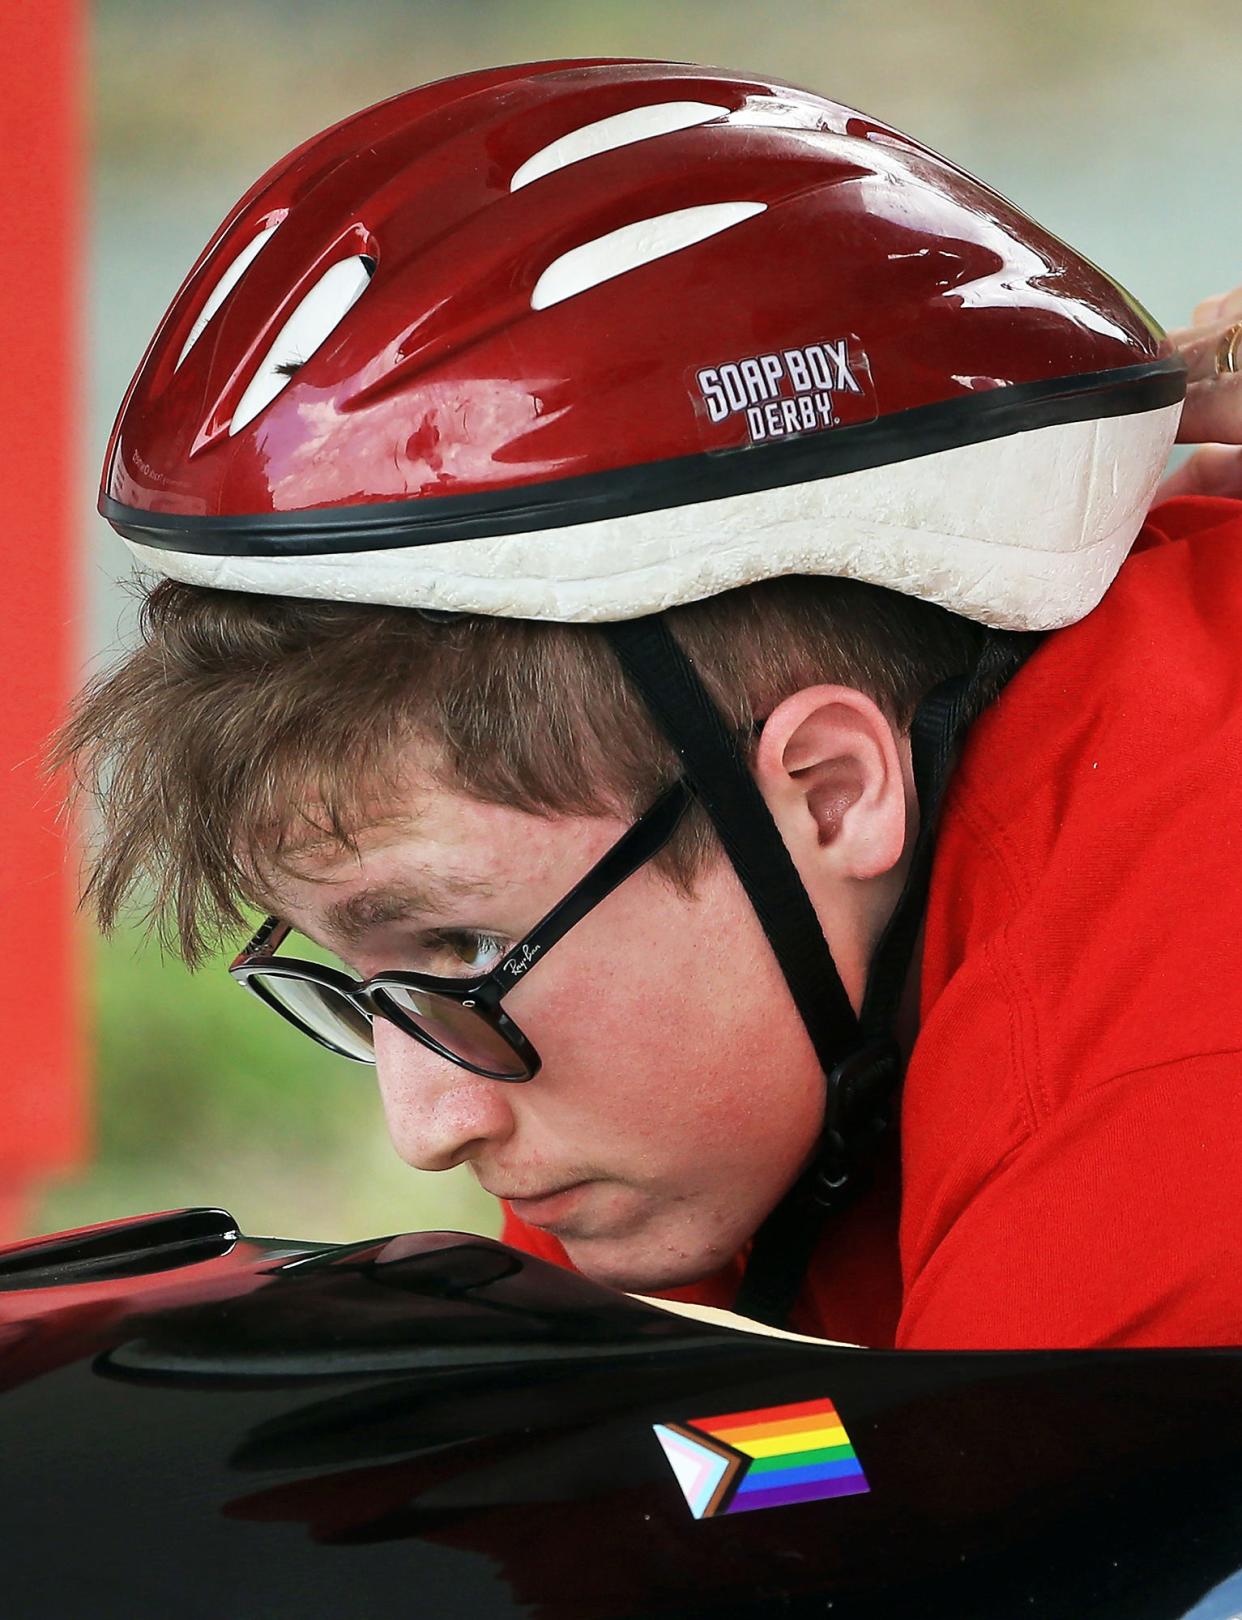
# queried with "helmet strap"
point(712, 762)
point(860, 1059)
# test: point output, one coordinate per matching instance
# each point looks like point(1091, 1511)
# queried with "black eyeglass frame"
point(482, 996)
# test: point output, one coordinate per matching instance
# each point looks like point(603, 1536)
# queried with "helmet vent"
point(225, 286)
point(634, 245)
point(606, 134)
point(312, 322)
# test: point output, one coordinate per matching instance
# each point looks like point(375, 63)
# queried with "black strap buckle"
point(858, 1092)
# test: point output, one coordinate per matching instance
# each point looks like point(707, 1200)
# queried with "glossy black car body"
point(199, 1424)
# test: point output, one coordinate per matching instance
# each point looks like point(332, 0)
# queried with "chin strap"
point(859, 1057)
point(713, 762)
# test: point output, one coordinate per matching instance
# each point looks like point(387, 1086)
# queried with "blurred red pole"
point(42, 197)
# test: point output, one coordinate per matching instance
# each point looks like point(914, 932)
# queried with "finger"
point(1201, 349)
point(1209, 311)
point(1212, 413)
point(1221, 307)
point(1214, 470)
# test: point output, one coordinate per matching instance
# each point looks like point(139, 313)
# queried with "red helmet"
point(580, 340)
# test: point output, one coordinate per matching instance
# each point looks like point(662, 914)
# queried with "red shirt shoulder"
point(1070, 1092)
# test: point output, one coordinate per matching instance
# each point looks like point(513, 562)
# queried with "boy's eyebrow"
point(349, 920)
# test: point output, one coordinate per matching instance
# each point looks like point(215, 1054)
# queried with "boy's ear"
point(836, 777)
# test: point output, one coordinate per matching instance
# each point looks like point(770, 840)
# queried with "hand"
point(1213, 413)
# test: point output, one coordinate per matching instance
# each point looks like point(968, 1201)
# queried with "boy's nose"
point(438, 1114)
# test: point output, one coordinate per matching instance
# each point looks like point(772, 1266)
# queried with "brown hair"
point(245, 727)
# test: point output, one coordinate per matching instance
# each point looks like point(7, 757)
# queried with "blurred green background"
point(1115, 123)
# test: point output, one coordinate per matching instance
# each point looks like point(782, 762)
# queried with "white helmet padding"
point(1023, 532)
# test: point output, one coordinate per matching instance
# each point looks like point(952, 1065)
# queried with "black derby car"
point(201, 1424)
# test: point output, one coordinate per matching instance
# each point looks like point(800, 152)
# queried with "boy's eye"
point(459, 952)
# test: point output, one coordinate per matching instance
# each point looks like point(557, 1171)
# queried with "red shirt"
point(1071, 1126)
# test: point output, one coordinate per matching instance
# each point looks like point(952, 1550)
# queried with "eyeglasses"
point(461, 1019)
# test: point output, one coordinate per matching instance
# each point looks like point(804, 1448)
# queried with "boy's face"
point(679, 1093)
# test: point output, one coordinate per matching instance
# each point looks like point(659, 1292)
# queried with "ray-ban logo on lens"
point(517, 965)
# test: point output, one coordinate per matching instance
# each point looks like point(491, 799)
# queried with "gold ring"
point(1227, 349)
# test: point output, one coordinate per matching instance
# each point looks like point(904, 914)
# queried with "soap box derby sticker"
point(783, 393)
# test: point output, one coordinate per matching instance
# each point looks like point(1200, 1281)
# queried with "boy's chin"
point(634, 1267)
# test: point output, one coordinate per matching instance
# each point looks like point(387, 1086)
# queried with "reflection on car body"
point(201, 1423)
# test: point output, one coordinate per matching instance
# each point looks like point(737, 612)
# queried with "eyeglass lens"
point(457, 1028)
point(332, 1017)
point(321, 1011)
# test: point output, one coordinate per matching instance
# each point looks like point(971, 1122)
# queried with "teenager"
point(654, 578)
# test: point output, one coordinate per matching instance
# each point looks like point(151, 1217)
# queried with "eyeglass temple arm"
point(271, 935)
point(644, 839)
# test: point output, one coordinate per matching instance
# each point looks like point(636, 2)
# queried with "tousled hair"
point(244, 728)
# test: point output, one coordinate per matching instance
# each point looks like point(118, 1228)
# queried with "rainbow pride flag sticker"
point(773, 1456)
